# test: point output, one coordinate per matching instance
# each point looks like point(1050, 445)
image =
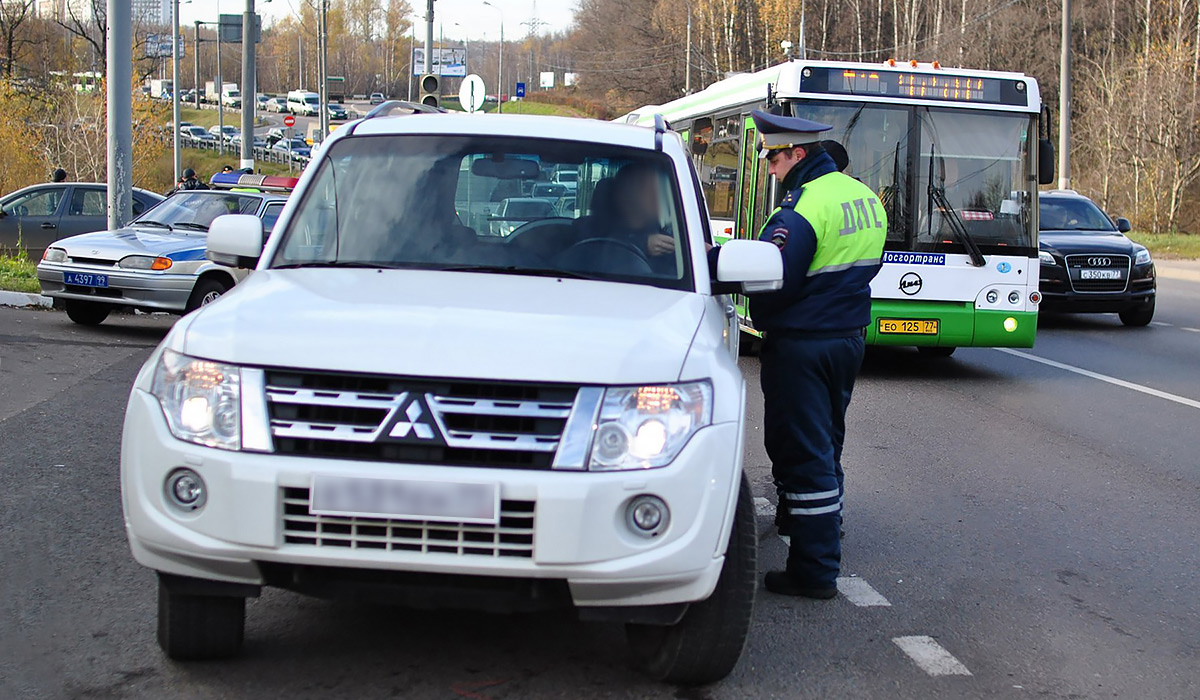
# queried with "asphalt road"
point(1033, 525)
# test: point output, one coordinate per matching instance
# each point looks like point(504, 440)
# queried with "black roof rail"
point(392, 107)
point(660, 128)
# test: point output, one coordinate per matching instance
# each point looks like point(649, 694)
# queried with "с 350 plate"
point(908, 326)
point(406, 498)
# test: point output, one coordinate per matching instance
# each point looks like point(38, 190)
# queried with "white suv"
point(398, 404)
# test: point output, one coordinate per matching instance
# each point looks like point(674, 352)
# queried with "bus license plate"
point(85, 279)
point(1099, 274)
point(908, 326)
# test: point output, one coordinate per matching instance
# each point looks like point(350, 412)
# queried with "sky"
point(459, 19)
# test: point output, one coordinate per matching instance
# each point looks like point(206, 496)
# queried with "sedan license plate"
point(85, 279)
point(908, 326)
point(1099, 274)
point(407, 499)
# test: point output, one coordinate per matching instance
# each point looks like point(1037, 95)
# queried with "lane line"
point(1160, 323)
point(1189, 330)
point(931, 656)
point(763, 507)
point(1181, 400)
point(859, 592)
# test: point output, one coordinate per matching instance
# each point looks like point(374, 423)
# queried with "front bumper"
point(141, 289)
point(1058, 294)
point(579, 533)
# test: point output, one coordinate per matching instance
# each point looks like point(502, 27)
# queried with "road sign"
point(289, 120)
point(471, 94)
point(520, 89)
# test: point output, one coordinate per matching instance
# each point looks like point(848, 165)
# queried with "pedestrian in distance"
point(830, 230)
point(226, 168)
point(189, 181)
point(59, 175)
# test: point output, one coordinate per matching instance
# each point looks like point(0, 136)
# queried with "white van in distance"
point(303, 103)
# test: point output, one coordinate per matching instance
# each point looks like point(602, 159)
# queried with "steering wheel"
point(623, 245)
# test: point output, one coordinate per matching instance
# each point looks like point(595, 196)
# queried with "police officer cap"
point(777, 131)
point(189, 173)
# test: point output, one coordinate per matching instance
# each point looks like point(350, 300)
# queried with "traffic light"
point(431, 90)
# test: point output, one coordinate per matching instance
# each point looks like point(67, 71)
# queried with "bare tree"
point(14, 14)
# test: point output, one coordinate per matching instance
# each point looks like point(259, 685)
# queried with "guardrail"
point(267, 155)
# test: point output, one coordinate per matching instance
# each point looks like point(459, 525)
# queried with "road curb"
point(1178, 271)
point(20, 299)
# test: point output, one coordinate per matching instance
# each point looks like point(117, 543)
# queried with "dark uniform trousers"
point(807, 380)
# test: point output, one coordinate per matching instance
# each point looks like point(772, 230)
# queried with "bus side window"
point(746, 202)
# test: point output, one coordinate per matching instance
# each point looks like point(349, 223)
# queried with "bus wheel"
point(935, 351)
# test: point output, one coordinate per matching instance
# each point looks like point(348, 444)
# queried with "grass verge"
point(1170, 246)
point(18, 273)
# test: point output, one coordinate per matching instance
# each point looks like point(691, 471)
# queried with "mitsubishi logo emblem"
point(417, 426)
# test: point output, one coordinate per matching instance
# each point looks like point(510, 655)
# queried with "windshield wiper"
point(517, 270)
point(338, 263)
point(937, 195)
point(191, 225)
point(147, 222)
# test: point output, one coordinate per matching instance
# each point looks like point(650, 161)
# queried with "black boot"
point(781, 582)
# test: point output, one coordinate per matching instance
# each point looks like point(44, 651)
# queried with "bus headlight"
point(200, 399)
point(646, 427)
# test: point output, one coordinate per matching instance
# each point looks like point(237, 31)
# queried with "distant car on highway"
point(338, 112)
point(198, 134)
point(259, 142)
point(261, 101)
point(277, 104)
point(377, 98)
point(34, 217)
point(296, 146)
point(156, 263)
point(227, 132)
point(1088, 265)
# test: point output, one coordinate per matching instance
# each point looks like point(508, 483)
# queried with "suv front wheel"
point(706, 644)
point(1138, 315)
point(194, 627)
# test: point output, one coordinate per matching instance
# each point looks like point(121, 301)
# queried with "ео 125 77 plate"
point(908, 326)
point(406, 499)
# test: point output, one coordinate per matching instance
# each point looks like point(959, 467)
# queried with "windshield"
point(979, 161)
point(312, 99)
point(1063, 214)
point(455, 202)
point(197, 209)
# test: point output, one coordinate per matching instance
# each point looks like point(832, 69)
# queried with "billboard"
point(448, 63)
point(159, 46)
point(570, 79)
point(547, 81)
point(230, 27)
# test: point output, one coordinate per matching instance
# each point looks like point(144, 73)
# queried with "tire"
point(206, 292)
point(935, 351)
point(749, 345)
point(1138, 316)
point(87, 313)
point(706, 644)
point(194, 627)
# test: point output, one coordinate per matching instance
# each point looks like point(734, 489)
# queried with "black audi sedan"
point(1088, 264)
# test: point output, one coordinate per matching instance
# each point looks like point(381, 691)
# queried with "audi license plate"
point(908, 326)
point(406, 499)
point(85, 279)
point(1099, 274)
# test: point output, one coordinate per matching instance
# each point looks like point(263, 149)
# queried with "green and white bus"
point(955, 156)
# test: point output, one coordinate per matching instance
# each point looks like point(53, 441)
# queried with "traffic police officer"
point(830, 229)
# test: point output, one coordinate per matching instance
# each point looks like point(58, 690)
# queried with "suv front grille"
point(1077, 263)
point(512, 536)
point(389, 419)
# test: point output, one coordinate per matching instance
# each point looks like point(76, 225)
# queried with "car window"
point(40, 203)
point(192, 209)
point(465, 201)
point(1071, 214)
point(271, 215)
point(88, 202)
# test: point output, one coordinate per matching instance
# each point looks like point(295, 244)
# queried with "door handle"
point(47, 224)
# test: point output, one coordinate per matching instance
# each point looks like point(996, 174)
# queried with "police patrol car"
point(399, 404)
point(157, 262)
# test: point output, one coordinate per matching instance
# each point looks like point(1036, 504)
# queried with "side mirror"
point(1045, 162)
point(235, 240)
point(1123, 225)
point(756, 266)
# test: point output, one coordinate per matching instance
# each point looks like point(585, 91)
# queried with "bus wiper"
point(518, 270)
point(148, 222)
point(937, 195)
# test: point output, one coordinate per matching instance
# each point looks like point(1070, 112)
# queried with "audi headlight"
point(646, 427)
point(55, 255)
point(201, 400)
point(144, 262)
point(1046, 258)
point(1142, 257)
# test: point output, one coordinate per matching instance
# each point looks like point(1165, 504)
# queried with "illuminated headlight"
point(1047, 258)
point(144, 262)
point(55, 255)
point(1142, 257)
point(646, 427)
point(201, 400)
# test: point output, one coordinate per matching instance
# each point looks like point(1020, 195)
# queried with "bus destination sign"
point(912, 85)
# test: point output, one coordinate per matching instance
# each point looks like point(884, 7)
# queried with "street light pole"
point(120, 113)
point(175, 145)
point(1064, 102)
point(196, 58)
point(499, 68)
point(249, 84)
point(220, 89)
point(322, 62)
point(429, 37)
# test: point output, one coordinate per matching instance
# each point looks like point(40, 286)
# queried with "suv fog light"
point(647, 516)
point(993, 296)
point(1014, 297)
point(185, 490)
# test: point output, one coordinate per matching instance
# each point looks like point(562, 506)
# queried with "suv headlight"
point(201, 400)
point(646, 427)
point(1142, 257)
point(1046, 258)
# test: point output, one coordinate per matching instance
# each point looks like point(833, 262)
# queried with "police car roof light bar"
point(265, 183)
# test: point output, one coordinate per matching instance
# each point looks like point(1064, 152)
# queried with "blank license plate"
point(908, 326)
point(85, 279)
point(1099, 274)
point(414, 500)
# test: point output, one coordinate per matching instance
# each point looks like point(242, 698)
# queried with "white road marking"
point(861, 593)
point(1160, 323)
point(1182, 400)
point(763, 507)
point(930, 656)
point(1189, 330)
